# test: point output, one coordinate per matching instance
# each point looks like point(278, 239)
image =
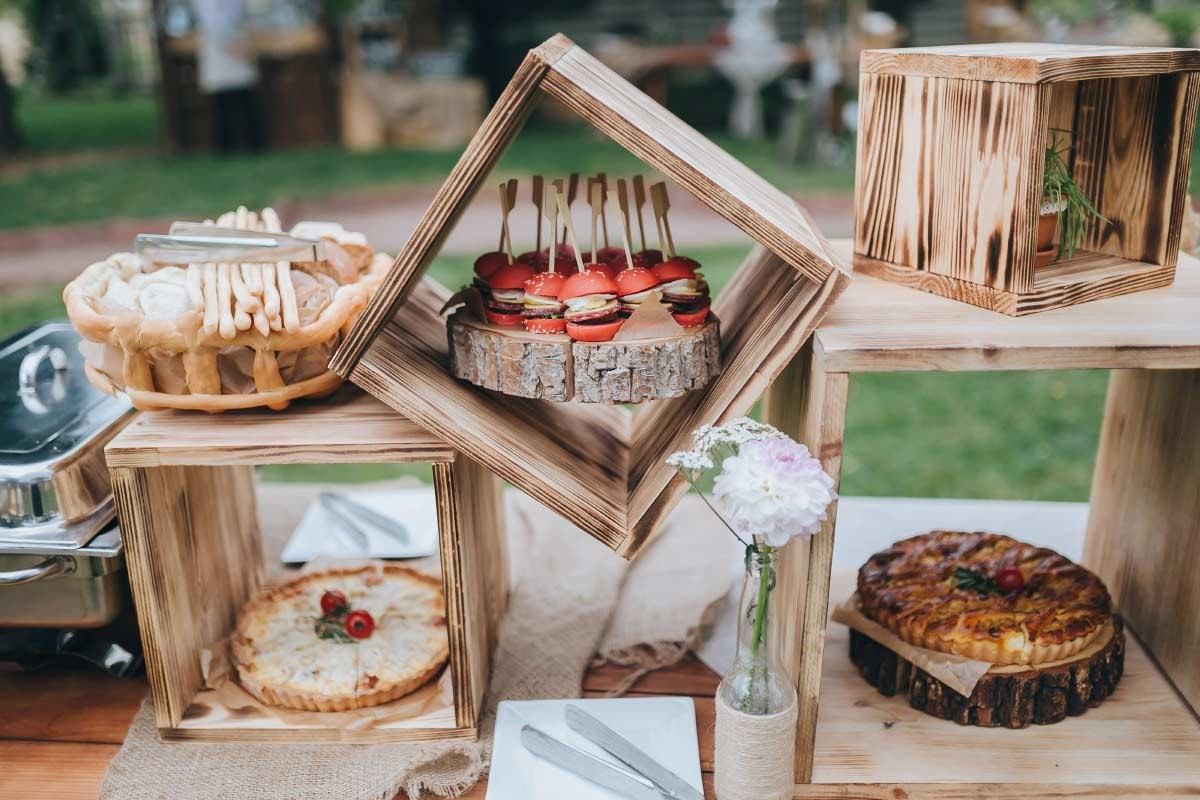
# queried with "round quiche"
point(290, 652)
point(958, 592)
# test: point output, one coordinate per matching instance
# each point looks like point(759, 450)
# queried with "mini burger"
point(592, 311)
point(485, 267)
point(621, 264)
point(534, 259)
point(607, 255)
point(608, 270)
point(543, 312)
point(651, 257)
point(564, 259)
point(684, 290)
point(507, 298)
point(634, 286)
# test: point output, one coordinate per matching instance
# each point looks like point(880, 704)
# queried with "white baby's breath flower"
point(774, 488)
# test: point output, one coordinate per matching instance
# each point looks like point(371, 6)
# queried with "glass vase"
point(757, 683)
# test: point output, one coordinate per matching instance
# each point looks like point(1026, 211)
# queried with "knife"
point(586, 765)
point(666, 782)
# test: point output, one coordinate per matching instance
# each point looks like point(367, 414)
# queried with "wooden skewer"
point(623, 206)
point(639, 200)
point(596, 201)
point(602, 179)
point(562, 209)
point(505, 236)
point(624, 232)
point(662, 204)
point(549, 206)
point(538, 196)
point(572, 190)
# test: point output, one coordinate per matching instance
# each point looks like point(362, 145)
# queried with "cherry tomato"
point(1010, 579)
point(360, 624)
point(333, 601)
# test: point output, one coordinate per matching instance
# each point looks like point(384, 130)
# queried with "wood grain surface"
point(878, 326)
point(1143, 535)
point(350, 428)
point(1029, 62)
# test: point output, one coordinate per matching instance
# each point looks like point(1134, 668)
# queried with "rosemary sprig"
point(1075, 211)
point(332, 627)
point(971, 581)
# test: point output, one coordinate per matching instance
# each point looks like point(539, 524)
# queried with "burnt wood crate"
point(951, 148)
point(184, 489)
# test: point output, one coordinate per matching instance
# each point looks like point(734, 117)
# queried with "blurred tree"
point(13, 49)
point(10, 134)
point(69, 39)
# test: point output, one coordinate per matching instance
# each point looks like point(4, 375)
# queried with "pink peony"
point(775, 489)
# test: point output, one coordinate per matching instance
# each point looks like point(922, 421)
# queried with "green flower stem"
point(760, 620)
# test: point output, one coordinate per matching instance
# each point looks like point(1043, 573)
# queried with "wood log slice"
point(552, 367)
point(1010, 697)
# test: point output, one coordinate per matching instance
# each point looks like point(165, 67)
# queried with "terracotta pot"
point(1047, 223)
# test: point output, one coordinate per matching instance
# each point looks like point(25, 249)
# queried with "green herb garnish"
point(971, 581)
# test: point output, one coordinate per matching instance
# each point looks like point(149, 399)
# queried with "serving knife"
point(667, 783)
point(587, 766)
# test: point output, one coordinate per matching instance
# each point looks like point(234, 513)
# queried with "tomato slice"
point(596, 332)
point(546, 325)
point(692, 318)
point(502, 319)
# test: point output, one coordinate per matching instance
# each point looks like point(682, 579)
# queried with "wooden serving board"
point(553, 367)
point(1007, 696)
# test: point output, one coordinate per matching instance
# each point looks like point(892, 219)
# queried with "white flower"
point(774, 488)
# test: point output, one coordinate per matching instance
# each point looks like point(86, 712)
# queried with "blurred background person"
point(228, 75)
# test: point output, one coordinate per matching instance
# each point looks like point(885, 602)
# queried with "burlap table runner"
point(565, 586)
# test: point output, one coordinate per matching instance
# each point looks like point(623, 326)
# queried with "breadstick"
point(241, 217)
point(271, 220)
point(261, 323)
point(241, 317)
point(242, 292)
point(210, 299)
point(226, 220)
point(270, 292)
point(195, 285)
point(287, 297)
point(225, 303)
point(252, 278)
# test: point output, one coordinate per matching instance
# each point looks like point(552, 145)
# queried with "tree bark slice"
point(1010, 700)
point(555, 368)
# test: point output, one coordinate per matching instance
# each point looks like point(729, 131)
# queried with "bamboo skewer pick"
point(602, 179)
point(623, 206)
point(549, 206)
point(572, 190)
point(596, 201)
point(538, 197)
point(639, 200)
point(658, 196)
point(615, 208)
point(564, 210)
point(505, 236)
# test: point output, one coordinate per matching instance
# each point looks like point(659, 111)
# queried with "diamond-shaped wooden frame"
point(601, 467)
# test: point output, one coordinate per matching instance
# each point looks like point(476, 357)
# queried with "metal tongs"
point(643, 778)
point(197, 243)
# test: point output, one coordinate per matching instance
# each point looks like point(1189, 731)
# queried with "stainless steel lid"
point(53, 424)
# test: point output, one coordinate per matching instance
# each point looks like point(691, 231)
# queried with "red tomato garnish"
point(333, 601)
point(1010, 579)
point(360, 624)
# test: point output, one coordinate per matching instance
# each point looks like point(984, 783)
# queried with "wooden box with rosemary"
point(1024, 177)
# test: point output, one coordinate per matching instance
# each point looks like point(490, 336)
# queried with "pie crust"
point(910, 589)
point(281, 660)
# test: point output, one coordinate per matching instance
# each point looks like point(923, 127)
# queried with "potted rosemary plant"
point(1065, 207)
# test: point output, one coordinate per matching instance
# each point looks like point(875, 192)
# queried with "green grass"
point(89, 121)
point(1028, 435)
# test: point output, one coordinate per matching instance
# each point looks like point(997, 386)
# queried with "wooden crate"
point(1143, 540)
point(601, 467)
point(184, 489)
point(950, 161)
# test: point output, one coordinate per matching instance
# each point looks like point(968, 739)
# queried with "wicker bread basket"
point(181, 337)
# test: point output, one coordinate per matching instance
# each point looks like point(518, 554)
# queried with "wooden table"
point(59, 730)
